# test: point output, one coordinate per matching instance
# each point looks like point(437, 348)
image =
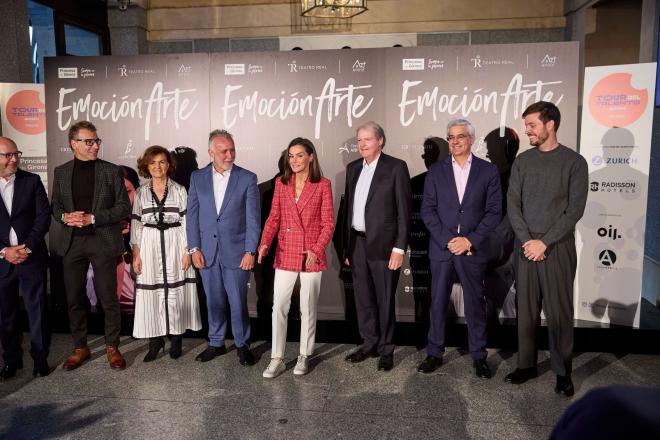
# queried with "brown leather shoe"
point(79, 356)
point(115, 359)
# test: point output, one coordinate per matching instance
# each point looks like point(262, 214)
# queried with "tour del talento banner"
point(266, 99)
point(617, 120)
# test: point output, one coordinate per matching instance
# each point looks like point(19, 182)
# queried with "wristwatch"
point(251, 253)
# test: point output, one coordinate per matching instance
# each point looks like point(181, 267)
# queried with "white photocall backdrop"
point(617, 120)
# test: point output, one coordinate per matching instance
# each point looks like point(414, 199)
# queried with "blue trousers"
point(224, 285)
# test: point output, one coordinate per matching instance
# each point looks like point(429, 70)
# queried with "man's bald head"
point(9, 159)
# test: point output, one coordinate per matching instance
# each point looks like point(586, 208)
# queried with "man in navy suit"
point(461, 206)
point(223, 228)
point(24, 221)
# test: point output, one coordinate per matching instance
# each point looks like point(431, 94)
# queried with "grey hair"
point(220, 133)
point(377, 129)
point(462, 122)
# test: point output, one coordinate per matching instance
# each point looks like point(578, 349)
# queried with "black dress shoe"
point(175, 346)
point(521, 375)
point(565, 385)
point(41, 368)
point(155, 345)
point(9, 370)
point(386, 362)
point(430, 364)
point(245, 356)
point(481, 369)
point(211, 353)
point(359, 356)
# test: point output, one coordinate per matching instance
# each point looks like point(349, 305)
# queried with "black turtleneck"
point(82, 188)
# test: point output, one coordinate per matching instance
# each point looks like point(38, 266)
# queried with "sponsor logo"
point(348, 148)
point(128, 151)
point(359, 66)
point(478, 62)
point(67, 72)
point(26, 112)
point(184, 70)
point(614, 186)
point(548, 61)
point(125, 71)
point(255, 68)
point(412, 64)
point(607, 258)
point(411, 289)
point(234, 69)
point(434, 64)
point(418, 234)
point(295, 67)
point(614, 102)
point(87, 73)
point(609, 232)
point(613, 161)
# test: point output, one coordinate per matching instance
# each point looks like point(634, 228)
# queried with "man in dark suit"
point(461, 206)
point(89, 201)
point(377, 222)
point(24, 221)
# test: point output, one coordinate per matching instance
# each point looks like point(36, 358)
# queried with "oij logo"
point(609, 232)
point(476, 61)
point(607, 258)
point(123, 70)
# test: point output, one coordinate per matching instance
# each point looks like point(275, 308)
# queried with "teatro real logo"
point(476, 62)
point(548, 61)
point(359, 66)
point(123, 71)
point(234, 69)
point(67, 72)
point(295, 67)
point(412, 64)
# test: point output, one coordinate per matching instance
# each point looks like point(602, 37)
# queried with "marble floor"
point(184, 399)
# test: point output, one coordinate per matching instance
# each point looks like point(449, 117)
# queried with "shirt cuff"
point(193, 250)
point(398, 251)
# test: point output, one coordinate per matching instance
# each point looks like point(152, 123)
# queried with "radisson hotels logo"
point(614, 186)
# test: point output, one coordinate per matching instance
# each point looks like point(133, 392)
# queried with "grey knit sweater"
point(547, 194)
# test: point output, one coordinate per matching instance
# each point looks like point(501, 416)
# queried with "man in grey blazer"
point(88, 201)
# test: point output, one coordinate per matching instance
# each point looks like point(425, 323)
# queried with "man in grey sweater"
point(546, 198)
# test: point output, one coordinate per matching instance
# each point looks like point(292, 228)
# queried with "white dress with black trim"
point(163, 304)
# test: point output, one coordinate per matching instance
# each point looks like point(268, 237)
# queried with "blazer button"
point(214, 236)
point(460, 211)
point(288, 229)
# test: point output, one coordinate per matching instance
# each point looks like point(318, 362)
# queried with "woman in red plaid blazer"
point(302, 216)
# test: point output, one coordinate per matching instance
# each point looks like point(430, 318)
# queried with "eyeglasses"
point(458, 137)
point(16, 154)
point(90, 142)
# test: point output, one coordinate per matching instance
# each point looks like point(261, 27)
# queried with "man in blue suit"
point(462, 205)
point(24, 220)
point(223, 230)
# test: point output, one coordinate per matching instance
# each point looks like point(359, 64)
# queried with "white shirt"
point(7, 190)
point(461, 175)
point(360, 199)
point(220, 181)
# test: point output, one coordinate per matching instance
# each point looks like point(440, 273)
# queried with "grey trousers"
point(547, 283)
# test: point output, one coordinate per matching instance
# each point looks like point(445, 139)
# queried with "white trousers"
point(310, 285)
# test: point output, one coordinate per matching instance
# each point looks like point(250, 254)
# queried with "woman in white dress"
point(165, 289)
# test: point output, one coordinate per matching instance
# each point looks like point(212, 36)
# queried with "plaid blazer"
point(110, 205)
point(305, 225)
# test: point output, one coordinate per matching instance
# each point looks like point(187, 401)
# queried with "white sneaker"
point(301, 366)
point(274, 369)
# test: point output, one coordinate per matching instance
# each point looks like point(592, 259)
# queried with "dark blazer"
point(478, 214)
point(30, 218)
point(110, 205)
point(388, 209)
